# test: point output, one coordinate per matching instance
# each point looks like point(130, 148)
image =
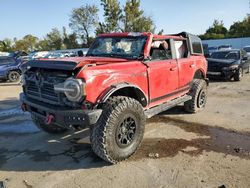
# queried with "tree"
point(6, 45)
point(240, 29)
point(27, 43)
point(83, 21)
point(70, 40)
point(54, 40)
point(216, 31)
point(134, 18)
point(112, 15)
point(129, 19)
point(43, 45)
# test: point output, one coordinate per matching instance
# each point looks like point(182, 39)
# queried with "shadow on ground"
point(9, 103)
point(43, 152)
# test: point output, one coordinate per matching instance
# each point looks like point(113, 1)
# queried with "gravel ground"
point(208, 149)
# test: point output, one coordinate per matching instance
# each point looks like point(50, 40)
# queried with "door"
point(162, 72)
point(163, 79)
point(186, 63)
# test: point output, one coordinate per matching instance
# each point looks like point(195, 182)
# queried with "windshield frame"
point(144, 39)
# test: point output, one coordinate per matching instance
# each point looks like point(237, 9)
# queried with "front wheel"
point(119, 131)
point(199, 96)
point(238, 74)
point(14, 76)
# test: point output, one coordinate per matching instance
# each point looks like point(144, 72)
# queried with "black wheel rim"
point(14, 76)
point(126, 132)
point(202, 99)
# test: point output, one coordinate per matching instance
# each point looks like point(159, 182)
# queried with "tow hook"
point(49, 119)
point(24, 107)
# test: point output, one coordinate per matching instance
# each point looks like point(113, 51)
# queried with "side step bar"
point(167, 105)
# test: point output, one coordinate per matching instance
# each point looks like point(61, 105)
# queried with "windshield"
point(226, 55)
point(247, 49)
point(121, 47)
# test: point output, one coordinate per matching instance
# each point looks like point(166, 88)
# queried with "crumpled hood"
point(72, 63)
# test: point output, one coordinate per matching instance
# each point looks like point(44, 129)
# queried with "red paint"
point(155, 79)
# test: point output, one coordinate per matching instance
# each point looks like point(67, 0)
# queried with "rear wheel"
point(14, 76)
point(199, 96)
point(51, 128)
point(119, 130)
point(238, 75)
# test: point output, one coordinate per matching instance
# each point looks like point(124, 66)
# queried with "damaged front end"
point(55, 95)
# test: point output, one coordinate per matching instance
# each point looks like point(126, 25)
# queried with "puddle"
point(220, 140)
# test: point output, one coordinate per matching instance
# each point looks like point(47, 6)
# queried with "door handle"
point(192, 65)
point(173, 68)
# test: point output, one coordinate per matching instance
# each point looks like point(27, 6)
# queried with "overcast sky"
point(21, 17)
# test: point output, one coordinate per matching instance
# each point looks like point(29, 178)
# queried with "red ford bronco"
point(124, 79)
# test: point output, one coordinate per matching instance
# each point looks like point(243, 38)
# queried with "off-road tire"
point(103, 137)
point(14, 76)
point(198, 92)
point(238, 74)
point(51, 128)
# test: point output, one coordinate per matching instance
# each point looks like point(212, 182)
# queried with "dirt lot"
point(208, 149)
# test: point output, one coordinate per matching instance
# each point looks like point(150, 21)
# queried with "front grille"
point(214, 67)
point(40, 86)
point(44, 93)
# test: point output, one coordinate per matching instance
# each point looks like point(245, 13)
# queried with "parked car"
point(124, 79)
point(247, 49)
point(10, 68)
point(212, 49)
point(228, 64)
point(225, 47)
point(37, 55)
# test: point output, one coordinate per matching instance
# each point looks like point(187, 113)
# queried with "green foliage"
point(27, 43)
point(55, 41)
point(83, 21)
point(134, 18)
point(70, 40)
point(236, 30)
point(240, 29)
point(6, 45)
point(216, 31)
point(129, 19)
point(112, 16)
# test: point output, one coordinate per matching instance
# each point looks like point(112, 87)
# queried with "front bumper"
point(63, 117)
point(221, 74)
point(3, 75)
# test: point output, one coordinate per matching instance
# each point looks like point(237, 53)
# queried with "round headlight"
point(73, 89)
